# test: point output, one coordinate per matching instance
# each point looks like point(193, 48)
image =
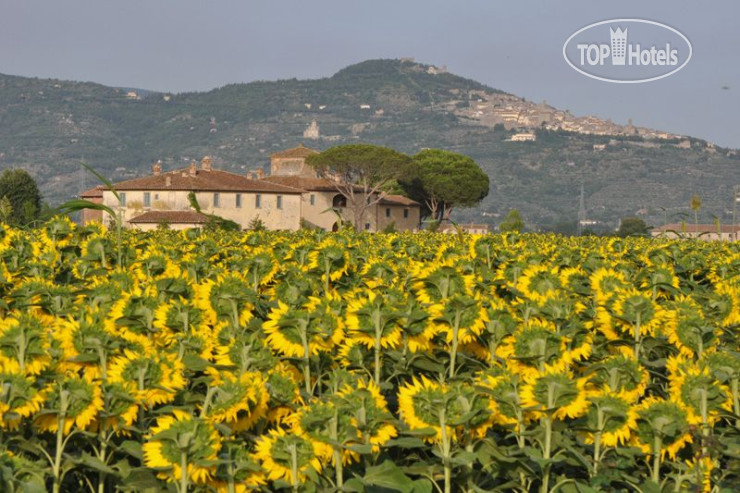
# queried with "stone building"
point(291, 195)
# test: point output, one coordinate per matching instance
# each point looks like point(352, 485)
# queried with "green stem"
point(546, 455)
point(294, 467)
point(378, 347)
point(57, 466)
point(638, 339)
point(445, 451)
point(736, 399)
point(597, 439)
point(183, 471)
point(658, 443)
point(306, 361)
point(338, 466)
point(455, 342)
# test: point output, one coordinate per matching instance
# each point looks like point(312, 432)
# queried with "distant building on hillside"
point(293, 194)
point(471, 228)
point(523, 137)
point(312, 131)
point(708, 232)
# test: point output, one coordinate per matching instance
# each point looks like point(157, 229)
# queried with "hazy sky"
point(185, 45)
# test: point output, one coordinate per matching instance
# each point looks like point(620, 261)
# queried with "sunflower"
point(283, 387)
point(20, 398)
point(555, 393)
point(329, 259)
point(287, 456)
point(703, 397)
point(179, 438)
point(237, 473)
point(238, 401)
point(502, 387)
point(300, 333)
point(462, 317)
point(24, 346)
point(622, 375)
point(539, 283)
point(132, 316)
point(446, 411)
point(687, 328)
point(437, 282)
point(535, 346)
point(156, 377)
point(72, 401)
point(372, 320)
point(120, 407)
point(228, 297)
point(725, 302)
point(662, 426)
point(368, 411)
point(613, 417)
point(606, 283)
point(86, 345)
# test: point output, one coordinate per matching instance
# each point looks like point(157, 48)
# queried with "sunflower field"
point(310, 361)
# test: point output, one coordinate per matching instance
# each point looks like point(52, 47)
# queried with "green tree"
point(23, 194)
point(512, 222)
point(362, 172)
point(632, 226)
point(6, 210)
point(443, 180)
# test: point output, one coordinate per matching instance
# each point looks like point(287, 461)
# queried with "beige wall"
point(410, 223)
point(152, 226)
point(318, 214)
point(176, 200)
point(706, 237)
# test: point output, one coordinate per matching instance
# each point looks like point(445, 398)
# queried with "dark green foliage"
point(632, 226)
point(23, 196)
point(443, 180)
point(512, 222)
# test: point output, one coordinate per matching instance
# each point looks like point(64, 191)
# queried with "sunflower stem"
point(378, 347)
point(658, 443)
point(597, 439)
point(445, 451)
point(455, 342)
point(306, 361)
point(638, 339)
point(545, 488)
point(183, 471)
point(338, 466)
point(61, 418)
point(293, 467)
point(736, 399)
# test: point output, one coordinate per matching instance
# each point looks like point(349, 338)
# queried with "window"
point(238, 200)
point(147, 199)
point(156, 196)
point(405, 213)
point(216, 199)
point(367, 225)
point(313, 199)
point(339, 200)
point(387, 212)
point(279, 201)
point(122, 198)
point(257, 201)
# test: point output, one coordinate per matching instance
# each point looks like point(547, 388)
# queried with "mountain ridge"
point(48, 126)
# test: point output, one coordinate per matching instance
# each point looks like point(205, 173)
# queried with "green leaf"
point(388, 475)
point(406, 442)
point(102, 179)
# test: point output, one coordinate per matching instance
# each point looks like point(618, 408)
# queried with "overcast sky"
point(186, 45)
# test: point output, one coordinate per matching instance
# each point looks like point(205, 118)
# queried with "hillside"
point(48, 126)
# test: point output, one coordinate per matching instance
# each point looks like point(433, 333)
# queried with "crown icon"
point(619, 45)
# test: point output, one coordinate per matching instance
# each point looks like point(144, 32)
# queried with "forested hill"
point(48, 126)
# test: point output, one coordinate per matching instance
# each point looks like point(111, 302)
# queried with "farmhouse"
point(708, 232)
point(291, 196)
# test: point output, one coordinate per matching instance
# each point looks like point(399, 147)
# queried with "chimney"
point(260, 173)
point(250, 175)
point(207, 163)
point(168, 181)
point(157, 168)
point(192, 169)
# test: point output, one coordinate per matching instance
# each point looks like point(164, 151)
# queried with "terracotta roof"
point(296, 152)
point(213, 180)
point(93, 193)
point(173, 217)
point(303, 183)
point(398, 200)
point(697, 228)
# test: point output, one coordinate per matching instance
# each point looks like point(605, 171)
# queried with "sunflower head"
point(612, 416)
point(290, 457)
point(70, 402)
point(555, 393)
point(180, 435)
point(662, 427)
